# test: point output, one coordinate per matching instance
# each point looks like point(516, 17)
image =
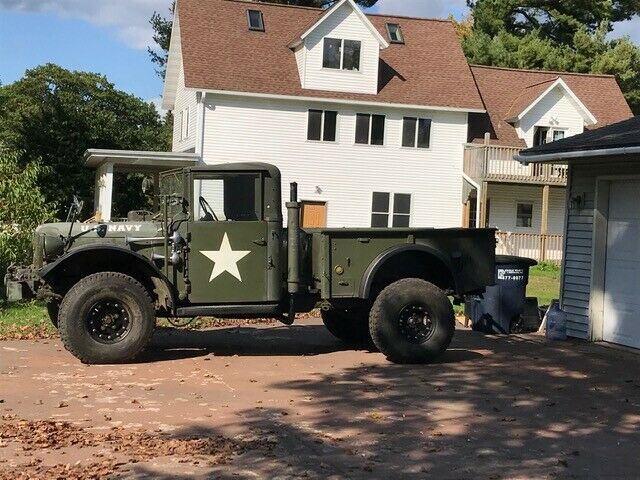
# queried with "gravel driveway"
point(270, 401)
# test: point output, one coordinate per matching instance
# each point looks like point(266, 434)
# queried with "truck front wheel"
point(412, 321)
point(349, 325)
point(106, 318)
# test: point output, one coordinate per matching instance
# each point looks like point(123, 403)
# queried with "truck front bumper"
point(22, 283)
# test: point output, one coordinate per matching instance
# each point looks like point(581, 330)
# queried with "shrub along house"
point(601, 268)
point(379, 118)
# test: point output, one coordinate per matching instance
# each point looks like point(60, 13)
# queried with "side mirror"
point(148, 186)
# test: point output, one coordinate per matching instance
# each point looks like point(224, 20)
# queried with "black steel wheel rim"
point(416, 324)
point(108, 321)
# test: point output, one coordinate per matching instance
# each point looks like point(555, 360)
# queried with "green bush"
point(22, 209)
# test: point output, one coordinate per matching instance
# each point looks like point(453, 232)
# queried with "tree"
point(22, 209)
point(566, 36)
point(162, 28)
point(55, 115)
point(556, 20)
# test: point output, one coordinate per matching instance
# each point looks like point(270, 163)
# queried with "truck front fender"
point(95, 258)
point(424, 251)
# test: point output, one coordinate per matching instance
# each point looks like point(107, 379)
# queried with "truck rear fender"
point(83, 261)
point(408, 261)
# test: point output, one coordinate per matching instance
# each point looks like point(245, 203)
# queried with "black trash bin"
point(500, 308)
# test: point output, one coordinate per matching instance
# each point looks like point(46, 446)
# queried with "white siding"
point(504, 199)
point(576, 282)
point(556, 110)
point(344, 174)
point(344, 23)
point(184, 99)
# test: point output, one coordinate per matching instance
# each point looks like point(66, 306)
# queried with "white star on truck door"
point(225, 260)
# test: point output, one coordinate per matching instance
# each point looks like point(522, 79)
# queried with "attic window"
point(395, 33)
point(256, 22)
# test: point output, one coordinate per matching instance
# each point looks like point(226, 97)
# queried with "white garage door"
point(622, 277)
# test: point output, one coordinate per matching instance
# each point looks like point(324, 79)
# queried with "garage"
point(622, 269)
point(600, 288)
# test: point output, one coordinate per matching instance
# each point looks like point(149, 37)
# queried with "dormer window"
point(256, 21)
point(395, 33)
point(341, 54)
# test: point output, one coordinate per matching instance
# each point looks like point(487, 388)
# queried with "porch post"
point(103, 192)
point(544, 224)
point(482, 205)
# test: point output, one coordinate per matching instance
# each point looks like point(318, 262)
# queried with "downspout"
point(199, 147)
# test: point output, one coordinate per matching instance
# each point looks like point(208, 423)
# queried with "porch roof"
point(140, 161)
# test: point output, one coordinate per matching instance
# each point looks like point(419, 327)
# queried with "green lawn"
point(24, 320)
point(544, 283)
point(31, 319)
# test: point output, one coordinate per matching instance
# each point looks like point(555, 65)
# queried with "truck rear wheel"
point(349, 325)
point(106, 318)
point(412, 321)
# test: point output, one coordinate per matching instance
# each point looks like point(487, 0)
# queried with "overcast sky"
point(111, 36)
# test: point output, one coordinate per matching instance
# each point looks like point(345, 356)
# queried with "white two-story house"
point(379, 119)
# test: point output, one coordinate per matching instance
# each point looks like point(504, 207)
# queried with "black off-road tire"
point(349, 325)
point(399, 301)
point(97, 289)
point(53, 309)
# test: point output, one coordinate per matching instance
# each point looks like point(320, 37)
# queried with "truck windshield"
point(172, 184)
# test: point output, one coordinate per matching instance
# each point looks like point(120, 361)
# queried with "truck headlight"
point(53, 246)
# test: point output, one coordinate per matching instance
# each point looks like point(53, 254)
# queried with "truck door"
point(228, 249)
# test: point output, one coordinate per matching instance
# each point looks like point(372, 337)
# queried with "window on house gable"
point(341, 54)
point(390, 210)
point(524, 215)
point(322, 125)
point(540, 135)
point(370, 129)
point(416, 132)
point(395, 33)
point(256, 20)
point(558, 135)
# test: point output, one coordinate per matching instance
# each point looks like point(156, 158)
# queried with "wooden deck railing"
point(543, 248)
point(491, 163)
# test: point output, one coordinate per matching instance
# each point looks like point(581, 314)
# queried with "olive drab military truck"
point(218, 247)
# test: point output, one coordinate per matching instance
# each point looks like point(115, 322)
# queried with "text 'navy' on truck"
point(218, 247)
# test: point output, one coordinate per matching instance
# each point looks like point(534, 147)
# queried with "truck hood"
point(114, 229)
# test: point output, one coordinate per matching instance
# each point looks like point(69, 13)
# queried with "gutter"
point(271, 96)
point(565, 156)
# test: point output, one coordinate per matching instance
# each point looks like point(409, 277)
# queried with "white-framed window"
point(395, 33)
point(370, 129)
point(341, 54)
point(390, 210)
point(544, 135)
point(524, 214)
point(557, 135)
point(322, 125)
point(184, 124)
point(256, 20)
point(416, 132)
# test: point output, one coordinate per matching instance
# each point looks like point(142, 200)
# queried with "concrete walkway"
point(294, 402)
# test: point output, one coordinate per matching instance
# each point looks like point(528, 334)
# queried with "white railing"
point(490, 163)
point(543, 248)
